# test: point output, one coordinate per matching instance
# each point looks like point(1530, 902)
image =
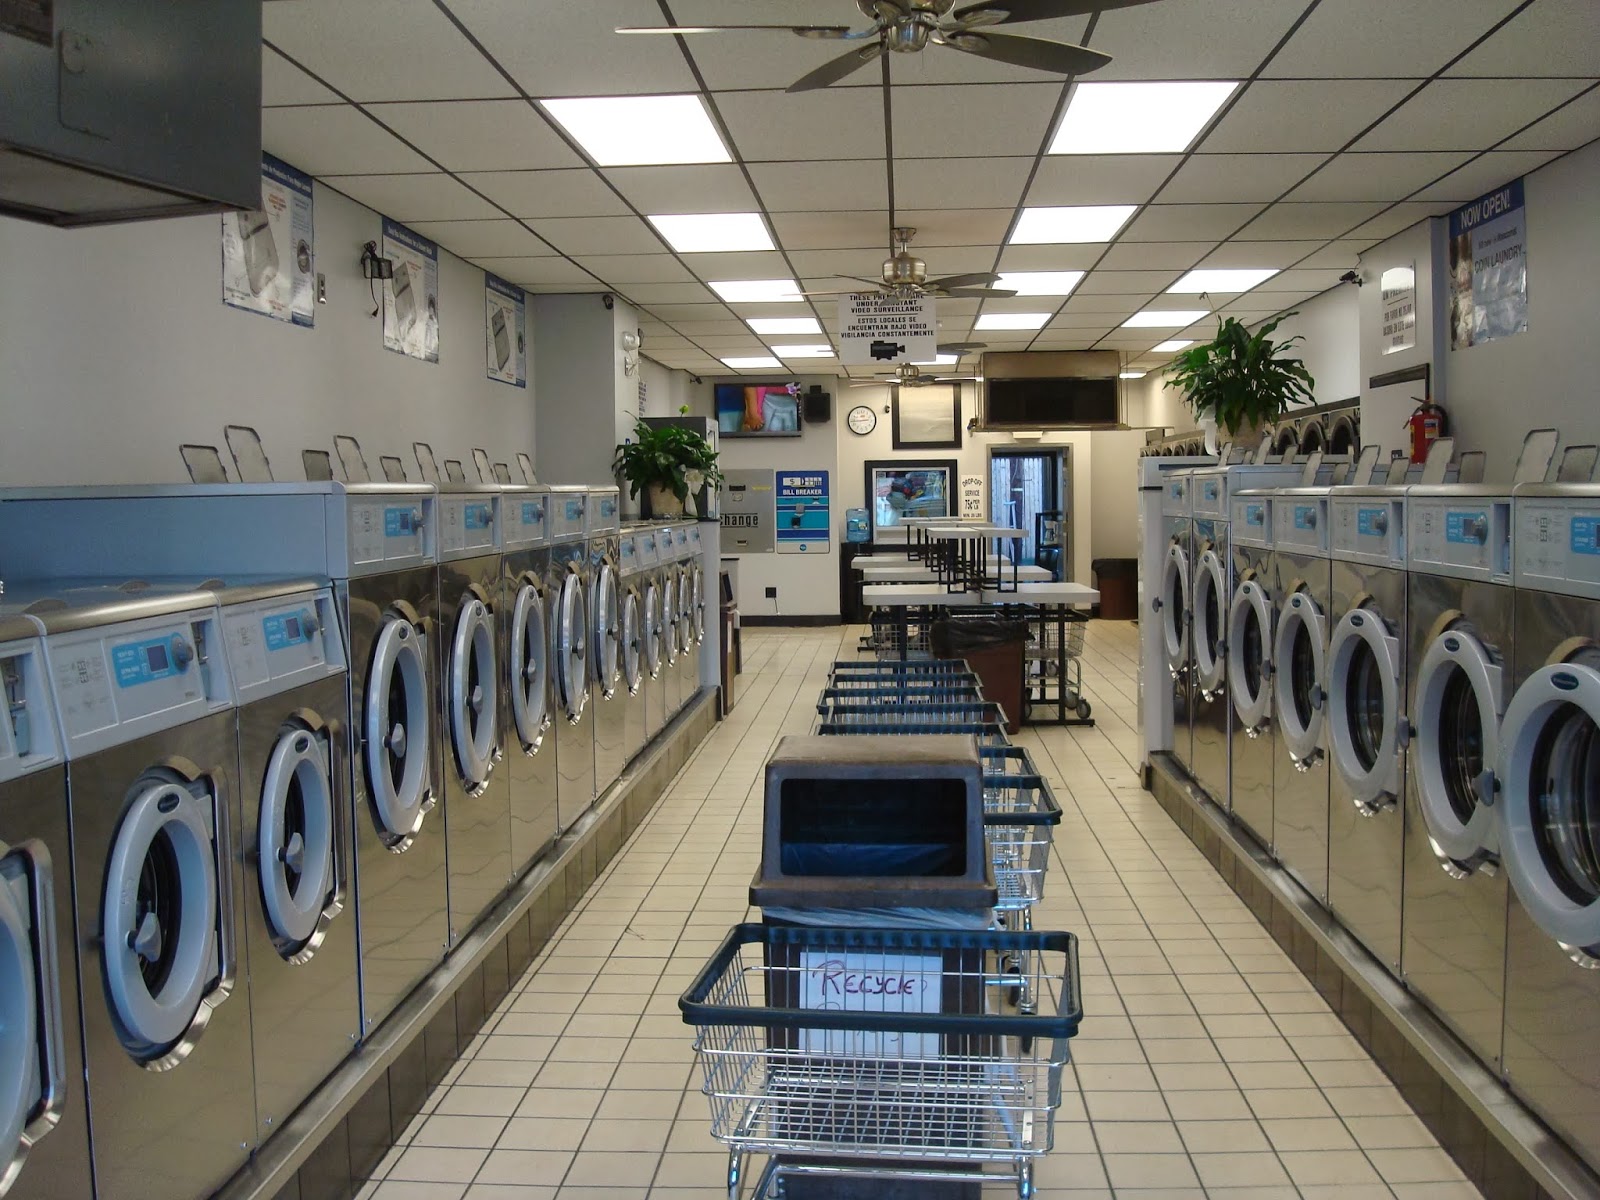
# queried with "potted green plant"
point(1241, 380)
point(666, 463)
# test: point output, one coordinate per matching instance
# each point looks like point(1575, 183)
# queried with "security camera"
point(1351, 277)
point(608, 300)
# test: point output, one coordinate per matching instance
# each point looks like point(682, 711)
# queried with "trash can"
point(996, 651)
point(1118, 582)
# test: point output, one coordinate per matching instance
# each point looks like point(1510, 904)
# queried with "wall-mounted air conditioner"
point(1076, 389)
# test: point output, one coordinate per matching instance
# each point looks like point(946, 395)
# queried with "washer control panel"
point(469, 524)
point(390, 531)
point(644, 542)
point(680, 541)
point(603, 512)
point(28, 738)
point(1369, 528)
point(1250, 521)
point(1175, 496)
point(566, 512)
point(281, 643)
point(1300, 523)
point(1557, 544)
point(627, 555)
point(1466, 537)
point(524, 518)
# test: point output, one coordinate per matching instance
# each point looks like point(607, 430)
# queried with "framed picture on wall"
point(926, 418)
point(901, 488)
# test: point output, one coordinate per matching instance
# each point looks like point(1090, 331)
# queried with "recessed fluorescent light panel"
point(713, 233)
point(939, 360)
point(752, 364)
point(1130, 375)
point(756, 291)
point(1217, 279)
point(1072, 223)
point(1157, 318)
point(1137, 118)
point(784, 325)
point(1006, 320)
point(631, 131)
point(1173, 346)
point(803, 351)
point(1040, 283)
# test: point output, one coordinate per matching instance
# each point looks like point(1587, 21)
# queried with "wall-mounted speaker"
point(818, 406)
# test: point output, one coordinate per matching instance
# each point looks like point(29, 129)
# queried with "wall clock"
point(862, 420)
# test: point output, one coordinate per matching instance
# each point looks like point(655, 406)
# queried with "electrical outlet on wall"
point(772, 593)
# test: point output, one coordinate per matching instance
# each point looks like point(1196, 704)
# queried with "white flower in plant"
point(695, 479)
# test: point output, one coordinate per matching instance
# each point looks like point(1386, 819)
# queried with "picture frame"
point(926, 418)
point(920, 487)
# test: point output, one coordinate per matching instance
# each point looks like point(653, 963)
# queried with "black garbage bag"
point(952, 639)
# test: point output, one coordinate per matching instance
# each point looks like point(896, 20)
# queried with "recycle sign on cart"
point(874, 328)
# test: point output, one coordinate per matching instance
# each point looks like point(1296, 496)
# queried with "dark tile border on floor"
point(330, 1147)
point(1498, 1144)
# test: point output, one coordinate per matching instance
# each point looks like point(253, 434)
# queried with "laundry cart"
point(845, 1053)
point(951, 689)
point(1020, 815)
point(869, 673)
point(984, 719)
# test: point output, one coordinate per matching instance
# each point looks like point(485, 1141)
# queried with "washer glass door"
point(25, 994)
point(397, 733)
point(1364, 688)
point(1175, 608)
point(1299, 658)
point(473, 711)
point(295, 842)
point(605, 632)
point(1249, 665)
point(572, 648)
point(698, 616)
point(685, 610)
point(652, 629)
point(669, 615)
point(527, 669)
point(632, 643)
point(1457, 740)
point(1210, 657)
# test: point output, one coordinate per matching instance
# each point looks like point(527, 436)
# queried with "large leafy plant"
point(1242, 379)
point(671, 457)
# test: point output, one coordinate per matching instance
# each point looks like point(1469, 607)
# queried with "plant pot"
point(663, 503)
point(1208, 426)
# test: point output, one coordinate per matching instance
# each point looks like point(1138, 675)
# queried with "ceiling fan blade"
point(961, 347)
point(810, 31)
point(971, 279)
point(825, 293)
point(978, 293)
point(1060, 58)
point(956, 379)
point(1017, 11)
point(836, 69)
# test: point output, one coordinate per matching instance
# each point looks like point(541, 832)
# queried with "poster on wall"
point(747, 511)
point(874, 328)
point(802, 512)
point(972, 497)
point(507, 342)
point(1398, 287)
point(268, 254)
point(411, 298)
point(1489, 268)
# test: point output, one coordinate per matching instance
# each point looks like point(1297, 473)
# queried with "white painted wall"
point(1113, 494)
point(586, 400)
point(115, 347)
point(1384, 410)
point(1330, 323)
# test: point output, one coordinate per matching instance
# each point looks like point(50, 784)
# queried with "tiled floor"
point(1207, 1066)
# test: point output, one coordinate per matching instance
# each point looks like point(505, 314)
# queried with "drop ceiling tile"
point(1298, 221)
point(284, 83)
point(1076, 256)
point(1302, 280)
point(799, 231)
point(955, 226)
point(712, 330)
point(1384, 40)
point(1099, 178)
point(1154, 256)
point(1575, 124)
point(960, 182)
point(1187, 222)
point(761, 59)
point(383, 49)
point(1227, 178)
point(678, 314)
point(976, 122)
point(1244, 253)
point(1484, 174)
point(598, 235)
point(625, 269)
point(512, 268)
point(1303, 116)
point(1117, 307)
point(548, 273)
point(480, 135)
point(1341, 254)
point(1398, 217)
point(1101, 281)
point(472, 239)
point(411, 198)
point(564, 289)
point(1468, 114)
point(950, 260)
point(829, 124)
point(1553, 37)
point(326, 138)
point(1377, 176)
point(704, 187)
point(1191, 39)
point(577, 193)
point(959, 308)
point(820, 186)
point(743, 264)
point(670, 293)
point(756, 312)
point(1075, 319)
point(570, 49)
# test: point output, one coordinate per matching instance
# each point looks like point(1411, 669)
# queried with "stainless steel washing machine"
point(1172, 608)
point(1302, 571)
point(653, 640)
point(671, 632)
point(632, 639)
point(1367, 722)
point(568, 587)
point(528, 699)
point(1548, 781)
point(147, 717)
point(683, 554)
point(605, 636)
point(698, 623)
point(466, 612)
point(1251, 622)
point(1460, 614)
point(44, 1113)
point(286, 658)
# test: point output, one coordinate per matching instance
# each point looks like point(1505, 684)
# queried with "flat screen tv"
point(1050, 403)
point(758, 409)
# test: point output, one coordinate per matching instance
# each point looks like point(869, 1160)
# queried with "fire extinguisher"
point(1427, 423)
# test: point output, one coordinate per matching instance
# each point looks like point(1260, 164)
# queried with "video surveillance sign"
point(874, 328)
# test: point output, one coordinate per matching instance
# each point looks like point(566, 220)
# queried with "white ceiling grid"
point(1353, 119)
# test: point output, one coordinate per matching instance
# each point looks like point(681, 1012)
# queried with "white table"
point(899, 595)
point(913, 572)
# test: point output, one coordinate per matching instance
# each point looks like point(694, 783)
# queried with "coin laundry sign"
point(1489, 268)
point(874, 328)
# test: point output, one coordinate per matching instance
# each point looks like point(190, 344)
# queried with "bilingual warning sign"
point(874, 328)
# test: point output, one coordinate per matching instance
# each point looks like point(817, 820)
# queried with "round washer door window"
point(473, 711)
point(1364, 692)
point(527, 680)
point(669, 615)
point(1174, 608)
point(295, 838)
point(159, 918)
point(632, 643)
point(1299, 665)
point(1210, 594)
point(572, 648)
point(606, 659)
point(1457, 740)
point(652, 629)
point(1550, 801)
point(397, 733)
point(1249, 661)
point(20, 997)
point(698, 615)
point(685, 610)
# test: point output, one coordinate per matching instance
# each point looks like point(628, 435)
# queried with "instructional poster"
point(505, 308)
point(268, 254)
point(411, 298)
point(802, 508)
point(874, 328)
point(1399, 293)
point(1489, 268)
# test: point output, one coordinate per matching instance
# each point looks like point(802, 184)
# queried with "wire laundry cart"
point(853, 672)
point(1020, 815)
point(928, 690)
point(851, 1053)
point(1055, 663)
point(984, 719)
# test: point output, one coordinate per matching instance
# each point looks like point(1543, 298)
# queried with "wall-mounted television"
point(758, 409)
point(1050, 403)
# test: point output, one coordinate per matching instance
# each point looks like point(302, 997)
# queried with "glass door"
point(1025, 486)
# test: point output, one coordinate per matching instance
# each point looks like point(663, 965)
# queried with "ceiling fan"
point(906, 26)
point(908, 375)
point(906, 276)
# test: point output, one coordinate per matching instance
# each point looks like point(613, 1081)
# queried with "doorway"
point(1028, 490)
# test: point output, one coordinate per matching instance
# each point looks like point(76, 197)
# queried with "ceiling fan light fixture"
point(1013, 320)
point(1070, 224)
point(1040, 283)
point(770, 325)
point(1220, 279)
point(1138, 118)
point(713, 233)
point(756, 291)
point(635, 131)
point(1162, 318)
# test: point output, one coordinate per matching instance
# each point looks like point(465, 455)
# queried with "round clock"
point(862, 420)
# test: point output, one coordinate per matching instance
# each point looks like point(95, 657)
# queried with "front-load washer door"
point(296, 845)
point(1210, 650)
point(1549, 778)
point(632, 643)
point(572, 648)
point(160, 920)
point(1175, 608)
point(652, 630)
point(530, 710)
point(395, 726)
point(1364, 695)
point(669, 616)
point(605, 633)
point(685, 610)
point(1299, 658)
point(1457, 742)
point(31, 1062)
point(473, 711)
point(1249, 655)
point(697, 615)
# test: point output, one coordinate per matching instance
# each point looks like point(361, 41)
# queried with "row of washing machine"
point(1396, 690)
point(270, 751)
